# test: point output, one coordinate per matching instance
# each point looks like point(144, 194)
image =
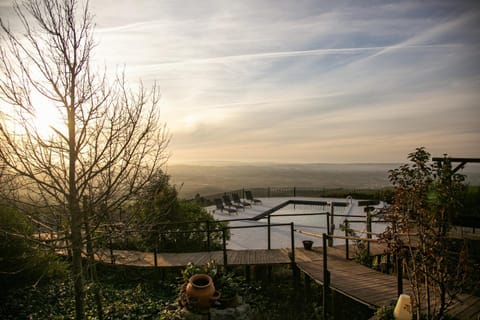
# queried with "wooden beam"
point(463, 161)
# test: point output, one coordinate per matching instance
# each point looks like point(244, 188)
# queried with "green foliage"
point(163, 221)
point(137, 293)
point(470, 211)
point(385, 313)
point(23, 259)
point(16, 232)
point(362, 254)
point(277, 298)
point(211, 269)
point(345, 227)
point(140, 299)
point(226, 282)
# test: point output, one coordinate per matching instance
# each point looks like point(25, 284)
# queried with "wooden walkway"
point(361, 283)
point(370, 287)
point(234, 257)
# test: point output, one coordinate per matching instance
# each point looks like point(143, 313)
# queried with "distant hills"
point(211, 178)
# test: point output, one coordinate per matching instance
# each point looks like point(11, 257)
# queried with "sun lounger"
point(229, 203)
point(236, 199)
point(221, 207)
point(250, 197)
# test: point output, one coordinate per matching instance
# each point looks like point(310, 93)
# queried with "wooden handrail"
point(366, 232)
point(320, 236)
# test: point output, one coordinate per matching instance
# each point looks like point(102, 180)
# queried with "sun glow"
point(46, 120)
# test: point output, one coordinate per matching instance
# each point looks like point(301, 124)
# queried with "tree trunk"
point(77, 264)
point(91, 259)
point(74, 209)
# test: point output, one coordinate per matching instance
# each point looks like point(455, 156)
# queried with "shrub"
point(23, 260)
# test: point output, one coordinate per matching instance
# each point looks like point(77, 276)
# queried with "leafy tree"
point(107, 144)
point(426, 199)
point(164, 220)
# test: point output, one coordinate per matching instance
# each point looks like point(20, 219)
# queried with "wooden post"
point(347, 247)
point(294, 192)
point(326, 280)
point(328, 222)
point(155, 261)
point(208, 235)
point(331, 225)
point(369, 228)
point(269, 240)
point(388, 264)
point(296, 277)
point(292, 235)
point(110, 244)
point(224, 242)
point(157, 245)
point(399, 267)
point(332, 220)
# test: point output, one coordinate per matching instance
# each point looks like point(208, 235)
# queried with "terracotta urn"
point(200, 290)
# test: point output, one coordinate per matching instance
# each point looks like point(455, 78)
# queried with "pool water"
point(315, 224)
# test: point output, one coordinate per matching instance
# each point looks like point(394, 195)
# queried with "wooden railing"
point(208, 232)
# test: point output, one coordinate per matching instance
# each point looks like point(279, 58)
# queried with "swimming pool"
point(311, 219)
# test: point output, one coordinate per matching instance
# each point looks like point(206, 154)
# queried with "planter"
point(216, 296)
point(200, 291)
point(230, 301)
point(307, 244)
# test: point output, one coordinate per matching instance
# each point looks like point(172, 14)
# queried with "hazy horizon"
point(210, 179)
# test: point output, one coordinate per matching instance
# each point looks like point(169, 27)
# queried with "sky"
point(302, 81)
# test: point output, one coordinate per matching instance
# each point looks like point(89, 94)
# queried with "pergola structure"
point(463, 161)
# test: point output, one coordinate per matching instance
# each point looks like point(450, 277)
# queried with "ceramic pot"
point(200, 290)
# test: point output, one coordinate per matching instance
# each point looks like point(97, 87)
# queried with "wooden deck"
point(371, 287)
point(234, 257)
point(467, 308)
point(363, 284)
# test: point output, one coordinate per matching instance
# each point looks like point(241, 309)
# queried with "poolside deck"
point(280, 236)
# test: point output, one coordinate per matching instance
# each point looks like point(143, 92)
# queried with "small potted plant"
point(229, 289)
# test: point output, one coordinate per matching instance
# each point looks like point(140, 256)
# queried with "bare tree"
point(108, 140)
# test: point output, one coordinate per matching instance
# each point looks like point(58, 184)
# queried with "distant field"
point(215, 178)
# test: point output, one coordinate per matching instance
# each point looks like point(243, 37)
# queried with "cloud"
point(304, 75)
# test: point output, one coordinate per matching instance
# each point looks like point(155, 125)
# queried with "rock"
point(241, 312)
point(243, 309)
